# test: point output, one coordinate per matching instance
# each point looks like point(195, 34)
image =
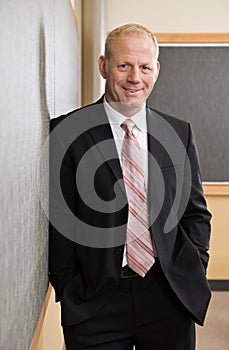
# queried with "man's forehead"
point(127, 48)
point(132, 35)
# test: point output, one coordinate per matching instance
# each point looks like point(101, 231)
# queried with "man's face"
point(130, 72)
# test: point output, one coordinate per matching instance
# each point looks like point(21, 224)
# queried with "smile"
point(131, 90)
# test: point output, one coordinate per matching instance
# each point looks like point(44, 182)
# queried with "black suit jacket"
point(85, 255)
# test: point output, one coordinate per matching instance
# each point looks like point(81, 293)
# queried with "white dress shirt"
point(140, 133)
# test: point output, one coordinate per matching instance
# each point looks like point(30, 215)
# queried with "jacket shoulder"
point(55, 121)
point(181, 127)
point(173, 120)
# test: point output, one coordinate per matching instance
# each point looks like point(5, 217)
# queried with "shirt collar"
point(117, 118)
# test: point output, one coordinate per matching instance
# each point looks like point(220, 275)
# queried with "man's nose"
point(134, 75)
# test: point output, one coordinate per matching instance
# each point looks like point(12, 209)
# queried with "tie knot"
point(128, 125)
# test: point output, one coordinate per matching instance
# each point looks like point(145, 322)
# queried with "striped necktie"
point(139, 249)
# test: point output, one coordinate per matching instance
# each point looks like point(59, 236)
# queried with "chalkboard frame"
point(210, 189)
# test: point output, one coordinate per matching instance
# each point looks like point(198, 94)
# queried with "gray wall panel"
point(194, 85)
point(39, 69)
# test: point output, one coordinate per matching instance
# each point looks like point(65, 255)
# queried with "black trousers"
point(143, 312)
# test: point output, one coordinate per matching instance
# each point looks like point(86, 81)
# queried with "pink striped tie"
point(140, 256)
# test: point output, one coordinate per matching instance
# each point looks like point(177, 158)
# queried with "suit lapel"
point(102, 136)
point(155, 135)
point(155, 161)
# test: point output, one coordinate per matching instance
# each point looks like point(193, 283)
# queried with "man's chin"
point(130, 107)
point(127, 108)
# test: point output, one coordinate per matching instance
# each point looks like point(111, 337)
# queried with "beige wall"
point(51, 337)
point(166, 16)
point(94, 18)
point(219, 253)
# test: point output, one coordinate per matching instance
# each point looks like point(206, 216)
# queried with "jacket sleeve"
point(62, 262)
point(196, 218)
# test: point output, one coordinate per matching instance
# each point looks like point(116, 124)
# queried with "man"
point(129, 230)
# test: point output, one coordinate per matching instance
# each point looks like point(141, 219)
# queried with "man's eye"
point(123, 66)
point(145, 67)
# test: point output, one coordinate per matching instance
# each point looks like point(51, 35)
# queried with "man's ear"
point(158, 69)
point(102, 66)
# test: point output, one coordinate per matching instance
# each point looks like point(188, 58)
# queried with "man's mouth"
point(131, 90)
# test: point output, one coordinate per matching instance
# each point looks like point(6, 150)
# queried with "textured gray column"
point(39, 70)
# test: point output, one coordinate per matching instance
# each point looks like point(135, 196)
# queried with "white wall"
point(165, 16)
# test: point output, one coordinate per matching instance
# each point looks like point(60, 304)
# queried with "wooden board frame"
point(210, 189)
point(192, 38)
point(216, 189)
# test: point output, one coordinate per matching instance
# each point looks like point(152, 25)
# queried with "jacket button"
point(111, 285)
point(119, 250)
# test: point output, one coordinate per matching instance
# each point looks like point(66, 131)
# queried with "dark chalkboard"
point(194, 85)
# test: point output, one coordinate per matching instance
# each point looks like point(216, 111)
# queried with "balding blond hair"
point(129, 29)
